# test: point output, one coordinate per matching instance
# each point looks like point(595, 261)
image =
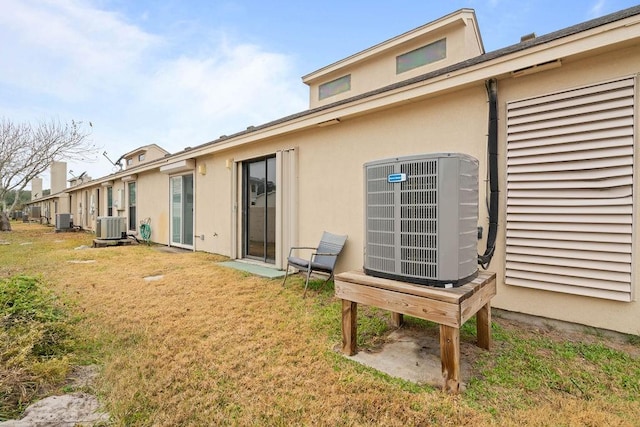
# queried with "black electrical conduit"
point(492, 149)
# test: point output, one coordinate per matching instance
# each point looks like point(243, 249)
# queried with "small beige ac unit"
point(111, 227)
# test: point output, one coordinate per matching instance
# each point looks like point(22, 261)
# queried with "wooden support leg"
point(450, 357)
point(349, 327)
point(397, 319)
point(483, 326)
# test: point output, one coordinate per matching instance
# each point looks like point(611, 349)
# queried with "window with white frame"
point(334, 87)
point(422, 56)
point(109, 201)
point(131, 187)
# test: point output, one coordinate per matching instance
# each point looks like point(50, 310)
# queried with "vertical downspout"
point(492, 148)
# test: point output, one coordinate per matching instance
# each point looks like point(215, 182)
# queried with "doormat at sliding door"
point(258, 270)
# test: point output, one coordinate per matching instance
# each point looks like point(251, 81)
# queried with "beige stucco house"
point(567, 121)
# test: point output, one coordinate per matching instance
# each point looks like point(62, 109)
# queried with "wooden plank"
point(349, 327)
point(397, 319)
point(452, 295)
point(483, 326)
point(450, 357)
point(470, 306)
point(397, 302)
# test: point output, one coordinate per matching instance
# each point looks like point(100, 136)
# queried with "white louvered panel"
point(625, 158)
point(570, 146)
point(575, 236)
point(585, 105)
point(572, 119)
point(595, 194)
point(573, 155)
point(570, 191)
point(573, 245)
point(569, 210)
point(559, 279)
point(565, 130)
point(541, 113)
point(573, 290)
point(594, 174)
point(594, 220)
point(553, 141)
point(573, 253)
point(575, 274)
point(623, 87)
point(550, 265)
point(532, 201)
point(596, 183)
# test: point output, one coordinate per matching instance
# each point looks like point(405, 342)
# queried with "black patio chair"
point(322, 260)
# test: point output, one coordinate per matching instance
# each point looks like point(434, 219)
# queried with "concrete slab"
point(414, 355)
point(258, 270)
point(172, 249)
point(102, 243)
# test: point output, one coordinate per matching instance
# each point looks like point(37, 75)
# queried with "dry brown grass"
point(207, 345)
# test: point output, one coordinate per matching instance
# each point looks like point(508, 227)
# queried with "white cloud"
point(68, 59)
point(597, 9)
point(235, 80)
point(65, 48)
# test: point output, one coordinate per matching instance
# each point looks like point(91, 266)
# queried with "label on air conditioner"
point(397, 177)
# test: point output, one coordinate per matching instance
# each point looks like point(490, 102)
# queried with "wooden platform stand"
point(450, 308)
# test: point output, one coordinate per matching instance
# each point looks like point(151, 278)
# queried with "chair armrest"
point(300, 247)
point(315, 254)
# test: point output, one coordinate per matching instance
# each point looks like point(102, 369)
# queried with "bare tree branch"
point(27, 150)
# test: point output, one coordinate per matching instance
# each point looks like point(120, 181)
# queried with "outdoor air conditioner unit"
point(422, 218)
point(63, 221)
point(35, 212)
point(111, 227)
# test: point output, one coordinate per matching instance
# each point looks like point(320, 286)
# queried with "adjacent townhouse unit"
point(561, 108)
point(45, 207)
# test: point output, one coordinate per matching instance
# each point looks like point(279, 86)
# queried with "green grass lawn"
point(208, 345)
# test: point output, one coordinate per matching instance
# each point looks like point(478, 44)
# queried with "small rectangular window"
point(422, 56)
point(129, 161)
point(335, 87)
point(141, 157)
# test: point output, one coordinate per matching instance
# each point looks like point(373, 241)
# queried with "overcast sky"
point(181, 73)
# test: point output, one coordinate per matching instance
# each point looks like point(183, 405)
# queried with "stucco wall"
point(330, 166)
point(153, 202)
point(330, 183)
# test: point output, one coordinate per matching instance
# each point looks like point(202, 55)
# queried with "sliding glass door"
point(182, 210)
point(259, 209)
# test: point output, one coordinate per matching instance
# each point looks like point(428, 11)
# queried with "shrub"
point(35, 337)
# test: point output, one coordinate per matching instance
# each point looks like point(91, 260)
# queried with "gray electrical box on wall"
point(421, 218)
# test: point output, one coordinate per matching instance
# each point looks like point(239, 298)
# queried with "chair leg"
point(326, 281)
point(286, 274)
point(306, 284)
